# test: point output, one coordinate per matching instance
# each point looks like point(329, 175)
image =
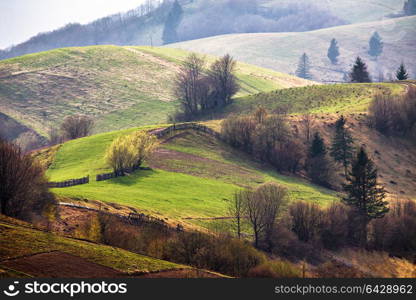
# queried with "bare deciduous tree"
point(308, 123)
point(237, 209)
point(306, 218)
point(263, 206)
point(76, 126)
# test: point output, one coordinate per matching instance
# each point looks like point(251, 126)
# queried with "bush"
point(238, 132)
point(128, 152)
point(334, 226)
point(306, 220)
point(267, 137)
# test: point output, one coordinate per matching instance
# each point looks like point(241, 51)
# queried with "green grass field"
point(121, 87)
point(318, 99)
point(179, 187)
point(281, 51)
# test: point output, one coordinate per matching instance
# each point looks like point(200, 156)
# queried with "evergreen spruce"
point(174, 18)
point(376, 45)
point(401, 73)
point(342, 144)
point(303, 70)
point(359, 72)
point(364, 194)
point(317, 163)
point(333, 51)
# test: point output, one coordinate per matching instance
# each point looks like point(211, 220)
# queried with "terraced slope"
point(120, 87)
point(281, 51)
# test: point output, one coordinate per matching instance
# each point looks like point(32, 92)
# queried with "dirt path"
point(155, 59)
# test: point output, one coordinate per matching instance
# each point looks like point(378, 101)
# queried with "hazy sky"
point(21, 19)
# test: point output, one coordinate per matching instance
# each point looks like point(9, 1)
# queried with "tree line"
point(270, 139)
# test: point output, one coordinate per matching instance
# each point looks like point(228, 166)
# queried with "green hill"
point(192, 176)
point(120, 87)
point(318, 99)
point(281, 51)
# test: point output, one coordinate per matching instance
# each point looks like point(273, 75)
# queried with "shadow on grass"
point(133, 179)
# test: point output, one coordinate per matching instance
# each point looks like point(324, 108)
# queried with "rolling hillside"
point(193, 173)
point(120, 87)
point(144, 25)
point(281, 51)
point(395, 157)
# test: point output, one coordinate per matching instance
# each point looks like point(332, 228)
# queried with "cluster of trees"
point(220, 252)
point(199, 90)
point(341, 225)
point(127, 153)
point(23, 185)
point(72, 127)
point(375, 49)
point(265, 210)
point(394, 115)
point(267, 137)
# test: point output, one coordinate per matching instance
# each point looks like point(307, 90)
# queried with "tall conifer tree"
point(364, 193)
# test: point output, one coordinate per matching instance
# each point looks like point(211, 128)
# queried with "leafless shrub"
point(23, 185)
point(306, 220)
point(335, 226)
point(308, 124)
point(76, 126)
point(238, 131)
point(263, 205)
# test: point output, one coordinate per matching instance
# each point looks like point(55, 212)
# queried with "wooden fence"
point(68, 183)
point(159, 134)
point(107, 176)
point(183, 126)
